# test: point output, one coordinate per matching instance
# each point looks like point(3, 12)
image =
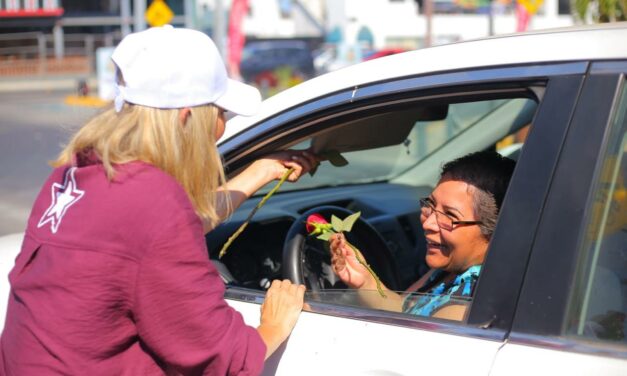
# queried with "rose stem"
point(252, 212)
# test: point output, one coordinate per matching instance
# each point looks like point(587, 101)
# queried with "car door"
point(333, 338)
point(570, 318)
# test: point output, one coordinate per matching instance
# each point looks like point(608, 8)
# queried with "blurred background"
point(55, 69)
point(270, 43)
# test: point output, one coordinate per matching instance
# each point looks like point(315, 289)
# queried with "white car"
point(552, 295)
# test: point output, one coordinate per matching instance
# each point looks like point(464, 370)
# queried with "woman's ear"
point(184, 114)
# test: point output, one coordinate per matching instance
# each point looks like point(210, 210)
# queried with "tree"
point(600, 10)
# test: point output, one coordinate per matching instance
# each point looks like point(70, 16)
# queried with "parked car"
point(552, 294)
point(261, 60)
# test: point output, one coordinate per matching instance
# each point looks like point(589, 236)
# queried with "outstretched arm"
point(260, 173)
point(455, 312)
point(352, 272)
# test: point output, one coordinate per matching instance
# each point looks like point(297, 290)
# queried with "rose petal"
point(314, 219)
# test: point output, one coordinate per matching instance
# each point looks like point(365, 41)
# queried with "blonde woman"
point(113, 276)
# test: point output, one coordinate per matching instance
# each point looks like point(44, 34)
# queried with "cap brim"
point(240, 98)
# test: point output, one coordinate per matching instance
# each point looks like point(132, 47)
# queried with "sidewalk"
point(47, 83)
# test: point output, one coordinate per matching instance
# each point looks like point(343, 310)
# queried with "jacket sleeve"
point(179, 308)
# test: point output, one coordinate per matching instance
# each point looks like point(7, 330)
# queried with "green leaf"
point(350, 221)
point(334, 157)
point(325, 236)
point(337, 223)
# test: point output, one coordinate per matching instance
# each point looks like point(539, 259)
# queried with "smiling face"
point(462, 247)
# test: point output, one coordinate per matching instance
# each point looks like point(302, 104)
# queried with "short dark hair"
point(488, 172)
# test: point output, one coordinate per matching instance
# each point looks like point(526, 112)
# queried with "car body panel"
point(563, 99)
point(323, 345)
point(545, 309)
point(516, 359)
point(9, 248)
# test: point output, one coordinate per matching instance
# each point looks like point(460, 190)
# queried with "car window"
point(599, 305)
point(424, 143)
point(386, 148)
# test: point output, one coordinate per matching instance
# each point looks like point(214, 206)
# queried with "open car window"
point(394, 154)
point(401, 145)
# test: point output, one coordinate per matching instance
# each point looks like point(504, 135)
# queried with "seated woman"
point(458, 220)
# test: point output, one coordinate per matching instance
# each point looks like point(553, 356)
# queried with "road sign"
point(158, 13)
point(531, 6)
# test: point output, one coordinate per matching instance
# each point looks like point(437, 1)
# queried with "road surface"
point(33, 128)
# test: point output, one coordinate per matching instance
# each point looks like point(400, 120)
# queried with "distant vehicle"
point(261, 59)
point(383, 52)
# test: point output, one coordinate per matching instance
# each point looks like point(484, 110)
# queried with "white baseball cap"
point(166, 67)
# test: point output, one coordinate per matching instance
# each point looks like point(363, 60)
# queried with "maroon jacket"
point(114, 279)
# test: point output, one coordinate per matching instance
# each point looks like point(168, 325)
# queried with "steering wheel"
point(307, 260)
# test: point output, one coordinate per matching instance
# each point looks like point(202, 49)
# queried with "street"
point(33, 127)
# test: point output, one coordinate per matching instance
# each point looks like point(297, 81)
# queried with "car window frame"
point(309, 114)
point(551, 274)
point(493, 305)
point(560, 84)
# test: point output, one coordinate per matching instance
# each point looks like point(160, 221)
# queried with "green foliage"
point(338, 225)
point(325, 236)
point(350, 221)
point(345, 225)
point(600, 10)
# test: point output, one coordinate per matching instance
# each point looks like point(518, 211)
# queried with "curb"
point(42, 83)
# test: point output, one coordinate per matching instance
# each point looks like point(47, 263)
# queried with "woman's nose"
point(431, 222)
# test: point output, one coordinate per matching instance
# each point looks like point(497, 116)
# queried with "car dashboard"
point(254, 259)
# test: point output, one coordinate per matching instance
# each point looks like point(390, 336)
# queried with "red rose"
point(316, 224)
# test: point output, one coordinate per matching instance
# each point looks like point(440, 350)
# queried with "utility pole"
point(490, 18)
point(428, 17)
point(139, 15)
point(125, 13)
point(59, 40)
point(219, 27)
point(189, 8)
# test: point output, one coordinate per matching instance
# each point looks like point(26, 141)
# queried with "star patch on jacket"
point(63, 196)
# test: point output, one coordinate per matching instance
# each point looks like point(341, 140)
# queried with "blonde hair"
point(156, 136)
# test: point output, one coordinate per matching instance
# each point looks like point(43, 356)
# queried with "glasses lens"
point(425, 208)
point(444, 221)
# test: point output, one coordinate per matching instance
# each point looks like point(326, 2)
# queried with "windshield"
point(423, 140)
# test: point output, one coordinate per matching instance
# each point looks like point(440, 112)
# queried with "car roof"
point(593, 42)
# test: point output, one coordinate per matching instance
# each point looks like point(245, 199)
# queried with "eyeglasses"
point(443, 220)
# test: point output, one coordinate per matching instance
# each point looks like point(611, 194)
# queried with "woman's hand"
point(273, 166)
point(279, 313)
point(263, 171)
point(346, 266)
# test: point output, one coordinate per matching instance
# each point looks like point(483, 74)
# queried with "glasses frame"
point(425, 203)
